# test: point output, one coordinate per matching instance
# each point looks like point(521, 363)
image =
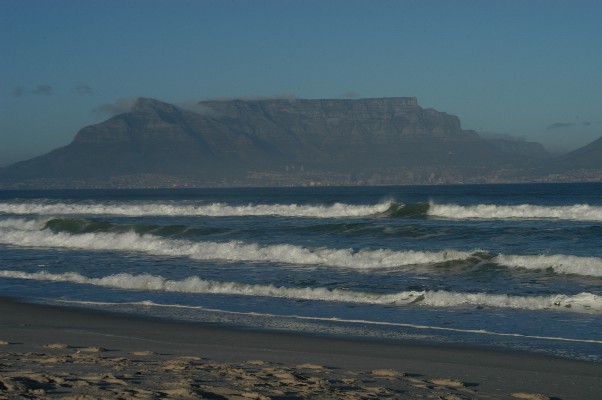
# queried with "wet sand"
point(56, 352)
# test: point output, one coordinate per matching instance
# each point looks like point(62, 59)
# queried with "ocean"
point(517, 267)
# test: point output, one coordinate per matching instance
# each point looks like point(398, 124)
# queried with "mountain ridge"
point(259, 142)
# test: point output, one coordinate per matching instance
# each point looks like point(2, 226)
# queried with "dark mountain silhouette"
point(262, 141)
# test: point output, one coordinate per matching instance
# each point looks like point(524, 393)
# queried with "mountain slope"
point(154, 137)
point(589, 156)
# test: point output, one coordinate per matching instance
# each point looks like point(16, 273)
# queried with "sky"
point(530, 69)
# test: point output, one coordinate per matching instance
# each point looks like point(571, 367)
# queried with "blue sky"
point(530, 69)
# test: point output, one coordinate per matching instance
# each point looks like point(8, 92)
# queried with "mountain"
point(357, 135)
point(153, 138)
point(515, 147)
point(588, 157)
point(273, 142)
point(583, 164)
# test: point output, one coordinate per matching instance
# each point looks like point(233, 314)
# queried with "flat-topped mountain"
point(386, 140)
point(354, 135)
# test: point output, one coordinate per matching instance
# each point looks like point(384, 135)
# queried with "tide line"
point(332, 319)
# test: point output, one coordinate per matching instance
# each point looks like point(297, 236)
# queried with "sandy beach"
point(55, 352)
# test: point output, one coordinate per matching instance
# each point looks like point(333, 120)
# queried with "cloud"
point(589, 123)
point(198, 108)
point(281, 96)
point(503, 136)
point(82, 89)
point(120, 106)
point(19, 91)
point(559, 125)
point(350, 95)
point(44, 90)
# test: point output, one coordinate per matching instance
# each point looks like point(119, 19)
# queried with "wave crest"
point(43, 233)
point(578, 212)
point(336, 210)
point(225, 251)
point(389, 208)
point(559, 263)
point(583, 302)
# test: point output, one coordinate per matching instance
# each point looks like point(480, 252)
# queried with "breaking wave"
point(337, 210)
point(583, 302)
point(75, 225)
point(66, 233)
point(578, 212)
point(412, 210)
point(224, 251)
point(559, 263)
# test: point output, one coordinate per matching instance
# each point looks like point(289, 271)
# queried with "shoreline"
point(300, 186)
point(104, 354)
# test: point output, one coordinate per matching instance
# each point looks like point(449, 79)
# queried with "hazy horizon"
point(528, 70)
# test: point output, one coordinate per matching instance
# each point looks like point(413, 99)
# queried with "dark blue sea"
point(517, 267)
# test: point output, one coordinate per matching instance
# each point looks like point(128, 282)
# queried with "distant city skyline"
point(528, 69)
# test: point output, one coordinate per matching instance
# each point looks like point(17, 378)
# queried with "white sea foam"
point(583, 302)
point(227, 251)
point(559, 263)
point(578, 212)
point(337, 210)
point(23, 224)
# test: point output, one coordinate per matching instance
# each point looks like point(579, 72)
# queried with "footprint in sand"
point(256, 362)
point(92, 349)
point(57, 346)
point(530, 396)
point(312, 366)
point(387, 373)
point(143, 353)
point(447, 382)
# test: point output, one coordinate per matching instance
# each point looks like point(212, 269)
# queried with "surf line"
point(332, 319)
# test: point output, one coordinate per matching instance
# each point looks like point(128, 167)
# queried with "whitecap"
point(577, 212)
point(582, 302)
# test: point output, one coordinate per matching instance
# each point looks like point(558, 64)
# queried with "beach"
point(60, 352)
point(434, 292)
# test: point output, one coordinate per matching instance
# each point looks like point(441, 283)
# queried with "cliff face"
point(228, 139)
point(355, 134)
point(324, 123)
